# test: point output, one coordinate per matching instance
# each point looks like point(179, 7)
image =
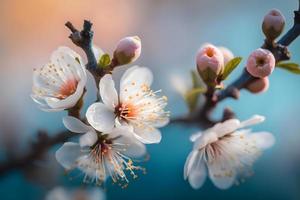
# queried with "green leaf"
point(289, 66)
point(191, 97)
point(230, 66)
point(104, 61)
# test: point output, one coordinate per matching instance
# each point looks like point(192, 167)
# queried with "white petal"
point(108, 91)
point(222, 176)
point(205, 139)
point(68, 154)
point(256, 119)
point(222, 168)
point(195, 136)
point(226, 127)
point(69, 64)
point(101, 117)
point(75, 125)
point(134, 148)
point(189, 163)
point(263, 140)
point(197, 173)
point(68, 102)
point(88, 139)
point(133, 80)
point(161, 122)
point(147, 136)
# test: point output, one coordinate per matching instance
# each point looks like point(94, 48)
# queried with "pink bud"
point(210, 57)
point(260, 63)
point(258, 85)
point(128, 50)
point(227, 54)
point(273, 24)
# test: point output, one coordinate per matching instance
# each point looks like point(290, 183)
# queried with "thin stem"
point(280, 53)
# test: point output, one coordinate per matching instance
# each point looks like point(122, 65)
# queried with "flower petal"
point(134, 80)
point(69, 61)
point(134, 148)
point(195, 136)
point(147, 136)
point(263, 140)
point(68, 102)
point(75, 125)
point(68, 154)
point(101, 117)
point(108, 91)
point(88, 139)
point(198, 172)
point(226, 127)
point(189, 163)
point(205, 139)
point(256, 119)
point(222, 173)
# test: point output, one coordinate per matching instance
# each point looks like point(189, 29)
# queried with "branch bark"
point(84, 38)
point(280, 52)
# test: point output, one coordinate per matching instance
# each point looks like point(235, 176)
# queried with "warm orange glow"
point(68, 88)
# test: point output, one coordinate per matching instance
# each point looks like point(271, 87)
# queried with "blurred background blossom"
point(171, 32)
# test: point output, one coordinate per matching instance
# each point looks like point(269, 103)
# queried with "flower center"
point(67, 88)
point(109, 160)
point(210, 52)
point(260, 62)
point(126, 111)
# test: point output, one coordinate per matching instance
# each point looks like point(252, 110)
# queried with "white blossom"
point(59, 84)
point(136, 106)
point(100, 155)
point(225, 153)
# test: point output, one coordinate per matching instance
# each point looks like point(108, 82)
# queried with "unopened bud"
point(210, 63)
point(260, 63)
point(273, 24)
point(128, 50)
point(258, 85)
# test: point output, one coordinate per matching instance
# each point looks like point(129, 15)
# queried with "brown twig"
point(84, 38)
point(280, 52)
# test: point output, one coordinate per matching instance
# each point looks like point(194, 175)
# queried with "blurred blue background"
point(171, 32)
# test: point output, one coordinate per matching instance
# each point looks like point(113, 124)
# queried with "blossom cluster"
point(115, 130)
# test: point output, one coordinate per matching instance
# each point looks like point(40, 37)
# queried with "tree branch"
point(38, 148)
point(83, 39)
point(280, 53)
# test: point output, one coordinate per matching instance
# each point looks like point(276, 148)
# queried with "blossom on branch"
point(59, 84)
point(136, 106)
point(101, 155)
point(210, 63)
point(128, 50)
point(225, 153)
point(273, 24)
